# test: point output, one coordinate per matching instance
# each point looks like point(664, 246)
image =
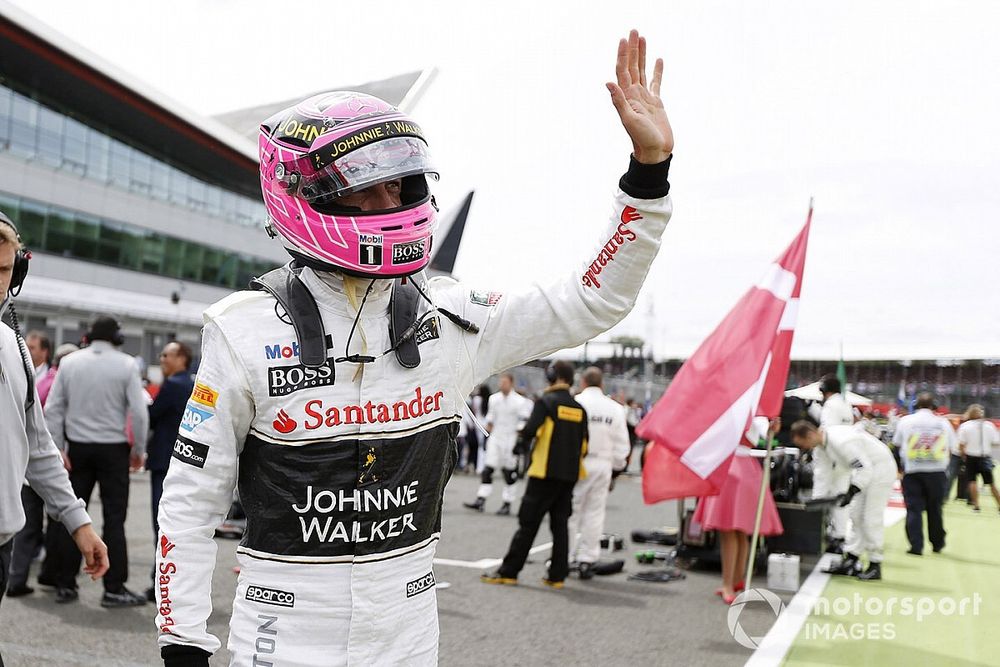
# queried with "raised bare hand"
point(638, 104)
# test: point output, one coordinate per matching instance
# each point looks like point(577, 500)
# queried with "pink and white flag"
point(739, 369)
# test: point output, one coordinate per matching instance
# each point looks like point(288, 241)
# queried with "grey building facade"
point(131, 204)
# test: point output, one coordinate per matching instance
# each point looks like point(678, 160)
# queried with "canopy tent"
point(811, 392)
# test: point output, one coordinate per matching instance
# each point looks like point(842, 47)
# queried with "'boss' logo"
point(285, 380)
point(403, 253)
point(270, 596)
point(418, 586)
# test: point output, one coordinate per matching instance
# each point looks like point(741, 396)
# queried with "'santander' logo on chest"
point(316, 413)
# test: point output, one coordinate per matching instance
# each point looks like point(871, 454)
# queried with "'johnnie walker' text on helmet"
point(335, 144)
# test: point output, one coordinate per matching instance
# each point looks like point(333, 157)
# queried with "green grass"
point(968, 567)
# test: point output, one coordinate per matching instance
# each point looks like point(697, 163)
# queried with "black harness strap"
point(288, 289)
point(402, 316)
point(284, 285)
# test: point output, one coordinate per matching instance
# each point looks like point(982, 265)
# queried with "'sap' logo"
point(629, 214)
point(194, 417)
point(283, 423)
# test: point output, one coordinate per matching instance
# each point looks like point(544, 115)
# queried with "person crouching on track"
point(873, 471)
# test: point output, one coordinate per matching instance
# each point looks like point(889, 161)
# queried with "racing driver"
point(330, 395)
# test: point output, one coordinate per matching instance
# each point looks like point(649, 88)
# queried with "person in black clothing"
point(558, 425)
point(165, 416)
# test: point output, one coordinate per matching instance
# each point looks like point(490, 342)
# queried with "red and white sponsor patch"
point(629, 214)
point(622, 236)
point(166, 571)
point(165, 546)
point(283, 423)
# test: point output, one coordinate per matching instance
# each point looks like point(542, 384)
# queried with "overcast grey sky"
point(886, 112)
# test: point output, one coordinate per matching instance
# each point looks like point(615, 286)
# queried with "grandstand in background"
point(957, 383)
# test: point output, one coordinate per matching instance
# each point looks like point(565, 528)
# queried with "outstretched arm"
point(534, 322)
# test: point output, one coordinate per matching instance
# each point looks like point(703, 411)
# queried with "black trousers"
point(29, 539)
point(924, 492)
point(155, 493)
point(509, 475)
point(473, 442)
point(956, 471)
point(5, 550)
point(105, 465)
point(542, 496)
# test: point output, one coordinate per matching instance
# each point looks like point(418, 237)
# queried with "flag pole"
point(764, 484)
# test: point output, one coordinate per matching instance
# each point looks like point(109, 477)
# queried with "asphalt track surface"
point(604, 621)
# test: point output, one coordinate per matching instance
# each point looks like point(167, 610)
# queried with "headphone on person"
point(21, 258)
point(550, 372)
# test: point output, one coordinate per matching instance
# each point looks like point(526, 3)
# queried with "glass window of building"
point(23, 126)
point(211, 265)
point(30, 218)
point(73, 234)
point(197, 195)
point(75, 146)
point(9, 205)
point(110, 244)
point(86, 232)
point(131, 253)
point(34, 131)
point(59, 231)
point(178, 187)
point(50, 132)
point(174, 257)
point(119, 166)
point(194, 254)
point(161, 180)
point(227, 270)
point(98, 156)
point(247, 270)
point(213, 198)
point(153, 250)
point(141, 172)
point(6, 99)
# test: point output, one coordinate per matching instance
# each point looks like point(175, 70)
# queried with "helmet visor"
point(377, 162)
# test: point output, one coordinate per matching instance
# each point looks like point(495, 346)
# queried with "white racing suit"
point(342, 477)
point(607, 449)
point(829, 479)
point(506, 414)
point(873, 470)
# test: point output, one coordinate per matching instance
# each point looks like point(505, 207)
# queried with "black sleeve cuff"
point(646, 181)
point(178, 655)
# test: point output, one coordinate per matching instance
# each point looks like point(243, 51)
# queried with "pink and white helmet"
point(331, 145)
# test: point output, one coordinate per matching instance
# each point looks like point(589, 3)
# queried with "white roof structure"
point(403, 91)
point(811, 392)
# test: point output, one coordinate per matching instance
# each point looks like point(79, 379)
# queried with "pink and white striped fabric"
point(738, 371)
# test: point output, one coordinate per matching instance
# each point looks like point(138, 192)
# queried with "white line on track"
point(484, 563)
point(776, 643)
